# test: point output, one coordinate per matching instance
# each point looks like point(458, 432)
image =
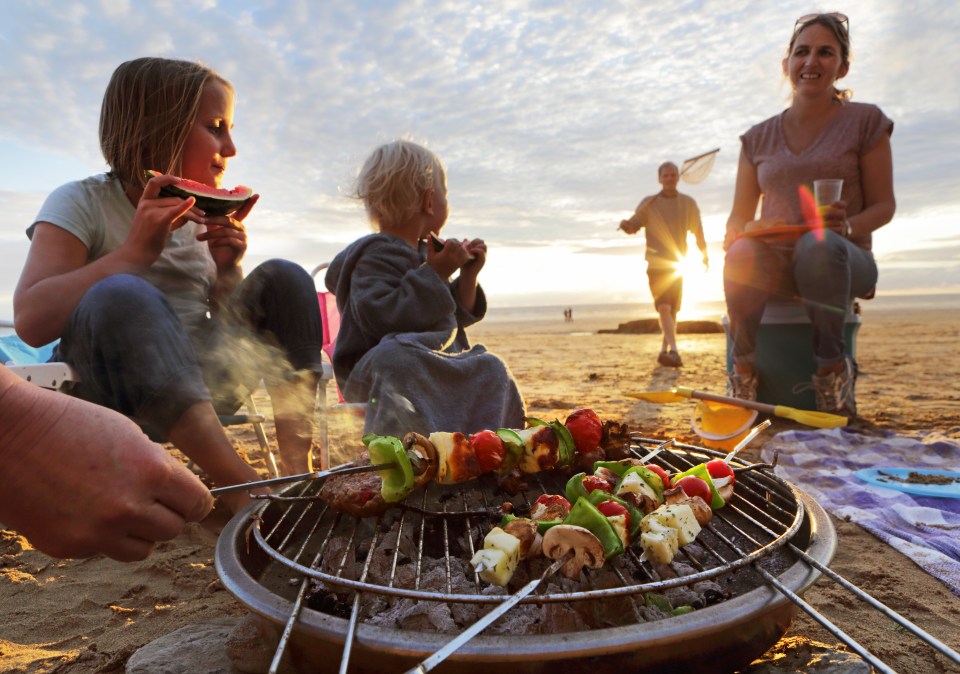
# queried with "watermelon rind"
point(210, 200)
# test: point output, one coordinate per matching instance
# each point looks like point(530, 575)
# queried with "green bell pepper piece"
point(585, 514)
point(649, 477)
point(658, 600)
point(396, 483)
point(636, 515)
point(542, 525)
point(575, 489)
point(682, 610)
point(716, 501)
point(618, 467)
point(567, 445)
point(514, 446)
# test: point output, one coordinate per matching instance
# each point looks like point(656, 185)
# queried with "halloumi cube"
point(636, 484)
point(680, 517)
point(498, 560)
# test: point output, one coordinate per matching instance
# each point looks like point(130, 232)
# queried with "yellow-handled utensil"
point(807, 417)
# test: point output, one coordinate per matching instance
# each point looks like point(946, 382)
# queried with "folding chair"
point(31, 364)
point(330, 316)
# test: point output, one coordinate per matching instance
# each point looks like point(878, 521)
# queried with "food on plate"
point(210, 200)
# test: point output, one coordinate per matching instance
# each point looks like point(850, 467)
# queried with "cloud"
point(551, 118)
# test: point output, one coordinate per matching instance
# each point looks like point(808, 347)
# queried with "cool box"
point(785, 352)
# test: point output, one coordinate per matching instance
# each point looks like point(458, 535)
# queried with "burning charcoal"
point(561, 617)
point(330, 603)
point(679, 596)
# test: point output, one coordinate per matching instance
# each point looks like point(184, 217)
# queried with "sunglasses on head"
point(842, 19)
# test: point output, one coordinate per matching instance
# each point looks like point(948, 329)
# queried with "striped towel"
point(925, 529)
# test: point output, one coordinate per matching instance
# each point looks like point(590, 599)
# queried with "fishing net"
point(696, 169)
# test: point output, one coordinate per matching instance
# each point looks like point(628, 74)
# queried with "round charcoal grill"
point(355, 589)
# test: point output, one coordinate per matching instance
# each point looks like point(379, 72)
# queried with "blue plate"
point(891, 478)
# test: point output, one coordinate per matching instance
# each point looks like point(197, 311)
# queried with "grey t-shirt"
point(836, 153)
point(97, 211)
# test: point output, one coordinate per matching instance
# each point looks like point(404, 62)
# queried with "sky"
point(550, 117)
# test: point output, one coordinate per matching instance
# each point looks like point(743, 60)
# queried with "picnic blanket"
point(925, 529)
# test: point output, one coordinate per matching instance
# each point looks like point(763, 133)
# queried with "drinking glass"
point(827, 191)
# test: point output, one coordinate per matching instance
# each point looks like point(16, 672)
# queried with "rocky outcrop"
point(650, 326)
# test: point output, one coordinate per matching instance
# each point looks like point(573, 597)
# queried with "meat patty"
point(357, 494)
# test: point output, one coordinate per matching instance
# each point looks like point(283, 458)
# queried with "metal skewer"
point(483, 623)
point(754, 432)
point(344, 469)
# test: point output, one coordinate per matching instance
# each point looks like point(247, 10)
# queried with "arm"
point(696, 226)
point(746, 196)
point(79, 479)
point(638, 220)
point(468, 283)
point(226, 236)
point(57, 275)
point(391, 291)
point(879, 204)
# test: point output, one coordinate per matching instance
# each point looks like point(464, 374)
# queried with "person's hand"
point(477, 252)
point(80, 479)
point(835, 217)
point(155, 218)
point(227, 237)
point(448, 259)
point(706, 263)
point(629, 227)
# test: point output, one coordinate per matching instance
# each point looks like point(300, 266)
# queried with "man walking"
point(667, 217)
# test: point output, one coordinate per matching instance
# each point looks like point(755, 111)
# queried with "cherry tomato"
point(586, 428)
point(660, 472)
point(550, 500)
point(695, 486)
point(717, 469)
point(489, 450)
point(612, 509)
point(550, 507)
point(594, 483)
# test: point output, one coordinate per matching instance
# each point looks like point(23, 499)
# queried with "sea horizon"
point(621, 312)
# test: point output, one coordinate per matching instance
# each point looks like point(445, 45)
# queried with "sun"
point(700, 286)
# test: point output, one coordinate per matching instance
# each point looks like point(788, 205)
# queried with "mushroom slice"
point(525, 530)
point(586, 548)
point(423, 456)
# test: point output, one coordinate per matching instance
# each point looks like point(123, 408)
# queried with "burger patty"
point(357, 494)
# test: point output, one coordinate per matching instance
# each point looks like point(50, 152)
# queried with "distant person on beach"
point(821, 135)
point(667, 217)
point(147, 294)
point(402, 346)
point(79, 479)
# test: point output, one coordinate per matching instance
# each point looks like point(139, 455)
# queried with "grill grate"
point(297, 531)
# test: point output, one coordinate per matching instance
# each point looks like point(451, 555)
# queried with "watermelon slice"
point(210, 200)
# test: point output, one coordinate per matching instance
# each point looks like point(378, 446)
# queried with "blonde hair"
point(394, 179)
point(148, 110)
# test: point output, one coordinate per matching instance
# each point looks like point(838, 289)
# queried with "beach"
point(91, 615)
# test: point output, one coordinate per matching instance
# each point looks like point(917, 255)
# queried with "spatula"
point(807, 417)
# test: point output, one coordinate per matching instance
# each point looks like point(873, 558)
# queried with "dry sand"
point(91, 615)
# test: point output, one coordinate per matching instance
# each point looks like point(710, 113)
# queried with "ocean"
point(603, 315)
point(710, 311)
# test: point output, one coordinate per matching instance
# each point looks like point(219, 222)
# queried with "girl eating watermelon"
point(145, 289)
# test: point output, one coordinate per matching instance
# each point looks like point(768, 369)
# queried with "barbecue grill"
point(339, 586)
